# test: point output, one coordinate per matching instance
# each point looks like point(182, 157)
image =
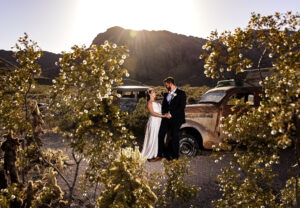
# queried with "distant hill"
point(154, 55)
point(47, 62)
point(5, 66)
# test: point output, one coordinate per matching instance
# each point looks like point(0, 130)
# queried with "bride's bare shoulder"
point(149, 103)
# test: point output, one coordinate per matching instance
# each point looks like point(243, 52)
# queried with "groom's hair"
point(169, 80)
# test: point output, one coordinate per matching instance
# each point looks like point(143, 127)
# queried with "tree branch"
point(50, 164)
point(259, 68)
point(297, 153)
point(75, 177)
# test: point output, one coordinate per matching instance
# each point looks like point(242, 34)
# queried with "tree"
point(261, 133)
point(83, 107)
point(176, 186)
point(20, 119)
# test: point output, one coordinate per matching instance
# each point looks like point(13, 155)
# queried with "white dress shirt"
point(170, 96)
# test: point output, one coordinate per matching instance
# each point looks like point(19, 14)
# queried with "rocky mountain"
point(6, 66)
point(47, 62)
point(154, 55)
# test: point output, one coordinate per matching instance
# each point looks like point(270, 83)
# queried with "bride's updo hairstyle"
point(148, 93)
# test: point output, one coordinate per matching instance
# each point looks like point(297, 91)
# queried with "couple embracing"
point(164, 118)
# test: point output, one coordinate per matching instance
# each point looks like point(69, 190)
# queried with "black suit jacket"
point(176, 106)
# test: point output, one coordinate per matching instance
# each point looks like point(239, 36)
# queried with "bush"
point(136, 120)
point(263, 132)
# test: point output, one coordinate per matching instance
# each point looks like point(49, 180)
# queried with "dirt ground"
point(204, 168)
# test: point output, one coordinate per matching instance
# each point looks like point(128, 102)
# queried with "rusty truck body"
point(202, 128)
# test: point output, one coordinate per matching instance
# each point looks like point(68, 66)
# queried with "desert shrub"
point(194, 93)
point(176, 186)
point(137, 119)
point(21, 120)
point(125, 182)
point(82, 110)
point(263, 132)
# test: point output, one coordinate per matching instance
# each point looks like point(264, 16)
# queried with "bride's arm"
point(151, 111)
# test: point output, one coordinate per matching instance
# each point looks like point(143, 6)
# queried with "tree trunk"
point(297, 153)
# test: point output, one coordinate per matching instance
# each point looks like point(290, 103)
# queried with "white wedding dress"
point(150, 146)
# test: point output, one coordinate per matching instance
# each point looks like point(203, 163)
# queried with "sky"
point(57, 25)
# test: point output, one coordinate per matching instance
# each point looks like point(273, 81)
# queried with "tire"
point(188, 145)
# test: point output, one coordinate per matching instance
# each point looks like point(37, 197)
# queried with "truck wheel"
point(188, 145)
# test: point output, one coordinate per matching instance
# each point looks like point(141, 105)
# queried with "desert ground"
point(204, 167)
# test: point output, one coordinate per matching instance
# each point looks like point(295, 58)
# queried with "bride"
point(150, 146)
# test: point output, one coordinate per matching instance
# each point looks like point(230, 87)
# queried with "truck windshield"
point(215, 96)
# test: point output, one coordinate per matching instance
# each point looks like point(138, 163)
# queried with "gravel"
point(203, 166)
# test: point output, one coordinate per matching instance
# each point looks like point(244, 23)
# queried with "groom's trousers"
point(172, 150)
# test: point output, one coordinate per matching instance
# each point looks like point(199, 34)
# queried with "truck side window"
point(243, 98)
point(142, 94)
point(251, 99)
point(128, 94)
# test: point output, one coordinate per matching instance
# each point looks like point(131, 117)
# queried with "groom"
point(173, 106)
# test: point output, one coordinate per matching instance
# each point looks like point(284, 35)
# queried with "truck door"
point(229, 106)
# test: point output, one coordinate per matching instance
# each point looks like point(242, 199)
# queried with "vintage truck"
point(202, 128)
point(130, 95)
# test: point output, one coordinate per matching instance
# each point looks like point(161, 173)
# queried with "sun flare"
point(135, 15)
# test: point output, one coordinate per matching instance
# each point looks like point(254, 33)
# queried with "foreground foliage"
point(82, 104)
point(27, 180)
point(83, 109)
point(261, 133)
point(177, 186)
point(125, 182)
point(128, 184)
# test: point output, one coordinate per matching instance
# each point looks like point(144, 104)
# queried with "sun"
point(96, 16)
